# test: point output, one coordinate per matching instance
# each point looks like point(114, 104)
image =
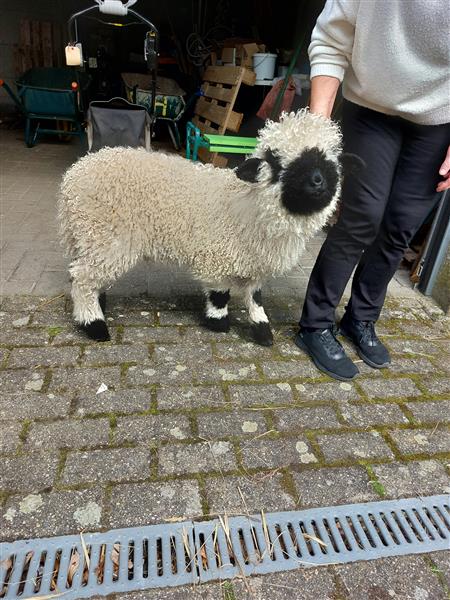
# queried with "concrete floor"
point(32, 260)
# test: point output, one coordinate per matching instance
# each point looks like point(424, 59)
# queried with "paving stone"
point(436, 385)
point(151, 334)
point(104, 354)
point(296, 419)
point(86, 379)
point(14, 320)
point(413, 478)
point(31, 473)
point(86, 433)
point(442, 562)
point(289, 369)
point(10, 436)
point(269, 454)
point(402, 577)
point(175, 317)
point(235, 424)
point(204, 591)
point(196, 458)
point(367, 415)
point(135, 504)
point(331, 390)
point(431, 412)
point(386, 388)
point(71, 334)
point(32, 405)
point(52, 316)
point(231, 371)
point(118, 464)
point(182, 352)
point(301, 584)
point(43, 357)
point(419, 441)
point(419, 347)
point(260, 492)
point(353, 446)
point(50, 514)
point(243, 350)
point(443, 364)
point(122, 401)
point(413, 365)
point(151, 428)
point(29, 336)
point(167, 373)
point(261, 395)
point(22, 380)
point(288, 350)
point(328, 487)
point(129, 317)
point(190, 397)
point(202, 334)
point(3, 356)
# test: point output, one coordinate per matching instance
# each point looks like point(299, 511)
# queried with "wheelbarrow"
point(50, 94)
point(169, 104)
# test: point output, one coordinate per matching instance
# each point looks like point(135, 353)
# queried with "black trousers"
point(382, 208)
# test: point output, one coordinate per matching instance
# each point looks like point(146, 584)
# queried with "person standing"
point(393, 57)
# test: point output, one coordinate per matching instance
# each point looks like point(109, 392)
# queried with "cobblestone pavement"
point(195, 423)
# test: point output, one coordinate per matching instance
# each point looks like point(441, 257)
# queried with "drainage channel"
point(122, 560)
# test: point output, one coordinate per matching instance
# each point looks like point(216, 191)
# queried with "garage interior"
point(192, 37)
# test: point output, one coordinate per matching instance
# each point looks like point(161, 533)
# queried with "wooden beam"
point(36, 52)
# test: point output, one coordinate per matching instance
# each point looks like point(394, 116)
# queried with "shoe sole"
point(299, 342)
point(361, 354)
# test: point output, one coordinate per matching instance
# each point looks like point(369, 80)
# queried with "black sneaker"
point(368, 346)
point(327, 353)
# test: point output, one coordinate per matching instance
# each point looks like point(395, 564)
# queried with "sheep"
point(231, 228)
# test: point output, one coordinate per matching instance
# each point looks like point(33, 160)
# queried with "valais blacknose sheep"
point(231, 228)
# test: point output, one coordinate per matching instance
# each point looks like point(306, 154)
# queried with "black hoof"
point(102, 301)
point(262, 334)
point(222, 325)
point(97, 330)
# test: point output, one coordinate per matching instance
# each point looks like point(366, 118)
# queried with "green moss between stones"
point(377, 486)
point(439, 574)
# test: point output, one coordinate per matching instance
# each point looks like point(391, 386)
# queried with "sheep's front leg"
point(216, 310)
point(88, 307)
point(261, 330)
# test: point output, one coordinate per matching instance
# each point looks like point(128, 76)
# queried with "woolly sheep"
point(231, 228)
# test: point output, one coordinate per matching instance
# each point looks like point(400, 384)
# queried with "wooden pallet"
point(40, 46)
point(214, 112)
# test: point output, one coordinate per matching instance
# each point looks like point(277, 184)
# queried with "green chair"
point(195, 139)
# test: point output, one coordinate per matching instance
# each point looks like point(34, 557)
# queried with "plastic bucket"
point(264, 65)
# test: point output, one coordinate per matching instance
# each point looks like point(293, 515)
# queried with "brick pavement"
point(195, 423)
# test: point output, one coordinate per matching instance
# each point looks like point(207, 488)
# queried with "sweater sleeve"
point(331, 44)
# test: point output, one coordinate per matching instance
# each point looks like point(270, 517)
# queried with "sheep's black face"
point(309, 183)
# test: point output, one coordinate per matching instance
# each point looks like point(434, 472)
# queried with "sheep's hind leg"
point(216, 311)
point(261, 330)
point(87, 307)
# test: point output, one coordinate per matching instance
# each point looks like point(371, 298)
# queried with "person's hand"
point(444, 172)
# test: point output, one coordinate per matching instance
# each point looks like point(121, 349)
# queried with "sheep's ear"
point(275, 164)
point(351, 163)
point(248, 170)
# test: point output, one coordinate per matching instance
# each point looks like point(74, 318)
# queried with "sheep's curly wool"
point(120, 205)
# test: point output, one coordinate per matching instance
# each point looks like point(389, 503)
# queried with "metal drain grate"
point(189, 552)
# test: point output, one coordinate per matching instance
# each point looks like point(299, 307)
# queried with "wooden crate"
point(214, 110)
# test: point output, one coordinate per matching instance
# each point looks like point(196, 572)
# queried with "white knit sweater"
point(393, 55)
